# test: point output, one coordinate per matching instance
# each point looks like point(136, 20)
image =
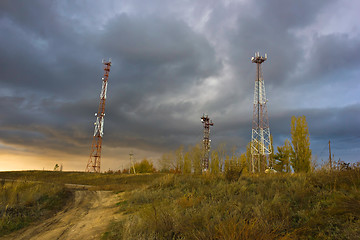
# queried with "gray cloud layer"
point(171, 63)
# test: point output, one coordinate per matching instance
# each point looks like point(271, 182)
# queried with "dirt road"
point(85, 218)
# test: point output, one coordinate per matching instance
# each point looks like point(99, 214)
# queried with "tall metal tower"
point(260, 136)
point(207, 123)
point(95, 153)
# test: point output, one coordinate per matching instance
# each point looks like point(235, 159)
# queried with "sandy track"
point(87, 217)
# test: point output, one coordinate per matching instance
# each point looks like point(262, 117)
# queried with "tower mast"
point(206, 141)
point(93, 164)
point(260, 135)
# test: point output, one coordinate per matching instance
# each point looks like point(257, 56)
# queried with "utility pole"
point(206, 141)
point(93, 164)
point(132, 162)
point(260, 135)
point(330, 163)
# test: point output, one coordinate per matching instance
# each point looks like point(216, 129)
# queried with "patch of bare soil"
point(87, 217)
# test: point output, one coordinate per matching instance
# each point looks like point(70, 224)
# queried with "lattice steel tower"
point(260, 136)
point(207, 123)
point(95, 153)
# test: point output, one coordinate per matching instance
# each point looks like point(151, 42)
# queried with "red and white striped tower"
point(93, 164)
point(206, 141)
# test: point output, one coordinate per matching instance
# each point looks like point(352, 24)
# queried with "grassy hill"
point(319, 205)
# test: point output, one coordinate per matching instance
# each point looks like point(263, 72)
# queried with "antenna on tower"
point(260, 135)
point(206, 141)
point(93, 164)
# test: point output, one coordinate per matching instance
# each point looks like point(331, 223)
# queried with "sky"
point(172, 61)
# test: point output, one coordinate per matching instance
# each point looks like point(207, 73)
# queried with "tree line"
point(294, 156)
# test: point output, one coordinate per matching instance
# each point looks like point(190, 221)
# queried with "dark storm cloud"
point(42, 125)
point(154, 57)
point(42, 51)
point(335, 124)
point(151, 56)
point(333, 54)
point(265, 26)
point(270, 29)
point(157, 54)
point(31, 16)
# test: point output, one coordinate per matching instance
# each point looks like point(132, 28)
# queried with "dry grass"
point(319, 205)
point(100, 181)
point(23, 202)
point(26, 196)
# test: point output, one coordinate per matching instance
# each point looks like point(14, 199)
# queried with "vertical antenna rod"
point(95, 153)
point(260, 135)
point(207, 123)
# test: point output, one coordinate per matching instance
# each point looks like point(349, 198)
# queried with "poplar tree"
point(179, 159)
point(221, 150)
point(227, 163)
point(248, 157)
point(235, 164)
point(196, 157)
point(214, 164)
point(282, 157)
point(187, 163)
point(272, 154)
point(244, 163)
point(300, 156)
point(165, 162)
